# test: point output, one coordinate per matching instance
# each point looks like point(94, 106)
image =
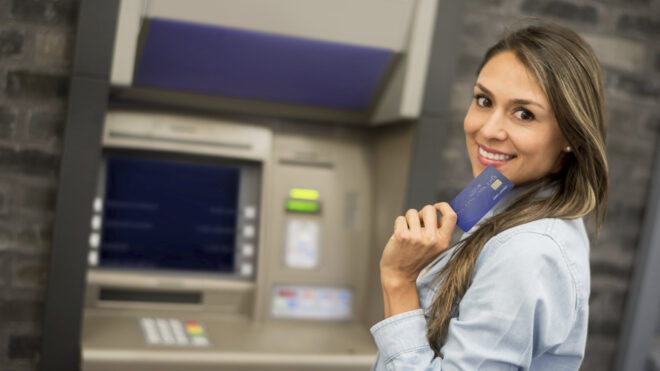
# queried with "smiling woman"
point(513, 293)
point(510, 125)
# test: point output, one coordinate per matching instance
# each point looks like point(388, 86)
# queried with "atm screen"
point(169, 215)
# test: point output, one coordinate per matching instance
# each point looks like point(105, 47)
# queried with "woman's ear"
point(561, 158)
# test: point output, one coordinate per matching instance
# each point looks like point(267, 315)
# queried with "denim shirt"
point(526, 309)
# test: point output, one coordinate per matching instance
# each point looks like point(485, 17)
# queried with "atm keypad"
point(173, 332)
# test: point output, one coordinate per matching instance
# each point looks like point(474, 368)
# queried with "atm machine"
point(242, 202)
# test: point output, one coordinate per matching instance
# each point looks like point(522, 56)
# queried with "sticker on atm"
point(302, 243)
point(315, 303)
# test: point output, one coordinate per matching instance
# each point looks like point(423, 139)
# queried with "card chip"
point(496, 184)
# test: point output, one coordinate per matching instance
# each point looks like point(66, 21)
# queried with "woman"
point(513, 293)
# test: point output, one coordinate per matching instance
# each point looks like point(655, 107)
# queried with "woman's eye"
point(482, 101)
point(524, 115)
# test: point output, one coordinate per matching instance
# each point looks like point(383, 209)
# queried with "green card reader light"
point(303, 201)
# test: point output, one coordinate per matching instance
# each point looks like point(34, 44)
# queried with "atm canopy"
point(358, 60)
point(231, 62)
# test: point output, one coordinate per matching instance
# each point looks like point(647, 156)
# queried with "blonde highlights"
point(569, 74)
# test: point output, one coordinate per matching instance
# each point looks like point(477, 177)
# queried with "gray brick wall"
point(625, 36)
point(36, 50)
point(36, 42)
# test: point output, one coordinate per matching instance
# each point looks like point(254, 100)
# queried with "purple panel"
point(255, 65)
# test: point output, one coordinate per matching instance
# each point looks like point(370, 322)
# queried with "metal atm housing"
point(318, 190)
point(244, 327)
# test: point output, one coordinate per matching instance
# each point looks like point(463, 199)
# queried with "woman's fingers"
point(448, 220)
point(412, 217)
point(412, 246)
point(424, 225)
point(400, 226)
point(430, 220)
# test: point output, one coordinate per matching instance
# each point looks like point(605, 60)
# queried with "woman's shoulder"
point(562, 233)
point(562, 244)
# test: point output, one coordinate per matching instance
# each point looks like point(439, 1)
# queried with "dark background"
point(36, 51)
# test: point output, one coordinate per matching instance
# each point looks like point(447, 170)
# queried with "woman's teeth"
point(494, 156)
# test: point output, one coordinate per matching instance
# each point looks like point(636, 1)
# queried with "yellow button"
point(304, 194)
point(195, 329)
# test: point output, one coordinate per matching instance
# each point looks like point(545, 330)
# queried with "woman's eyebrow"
point(484, 89)
point(515, 101)
point(527, 102)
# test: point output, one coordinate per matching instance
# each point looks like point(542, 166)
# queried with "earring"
point(568, 149)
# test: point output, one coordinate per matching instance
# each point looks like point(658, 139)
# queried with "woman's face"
point(510, 123)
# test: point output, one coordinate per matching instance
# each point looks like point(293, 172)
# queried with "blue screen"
point(169, 215)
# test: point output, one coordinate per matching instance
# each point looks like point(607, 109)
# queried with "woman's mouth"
point(493, 158)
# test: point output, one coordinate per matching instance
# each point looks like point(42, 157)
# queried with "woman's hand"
point(418, 239)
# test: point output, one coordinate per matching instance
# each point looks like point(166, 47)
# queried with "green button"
point(303, 206)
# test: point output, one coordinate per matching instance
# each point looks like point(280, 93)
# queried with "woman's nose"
point(494, 127)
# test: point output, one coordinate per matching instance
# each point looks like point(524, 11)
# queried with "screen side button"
point(248, 250)
point(249, 231)
point(247, 269)
point(250, 212)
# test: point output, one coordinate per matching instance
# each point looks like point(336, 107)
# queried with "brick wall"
point(36, 39)
point(36, 49)
point(625, 36)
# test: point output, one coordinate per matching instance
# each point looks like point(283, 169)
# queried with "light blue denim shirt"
point(526, 309)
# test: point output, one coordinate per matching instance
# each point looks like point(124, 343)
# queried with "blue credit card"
point(484, 192)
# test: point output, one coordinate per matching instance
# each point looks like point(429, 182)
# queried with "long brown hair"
point(569, 74)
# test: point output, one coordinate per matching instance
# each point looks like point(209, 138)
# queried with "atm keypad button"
point(165, 331)
point(150, 331)
point(179, 332)
point(200, 341)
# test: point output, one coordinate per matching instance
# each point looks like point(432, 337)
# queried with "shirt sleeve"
point(522, 301)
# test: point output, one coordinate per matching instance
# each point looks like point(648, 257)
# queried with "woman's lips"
point(492, 157)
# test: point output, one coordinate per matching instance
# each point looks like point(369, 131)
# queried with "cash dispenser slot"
point(150, 296)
